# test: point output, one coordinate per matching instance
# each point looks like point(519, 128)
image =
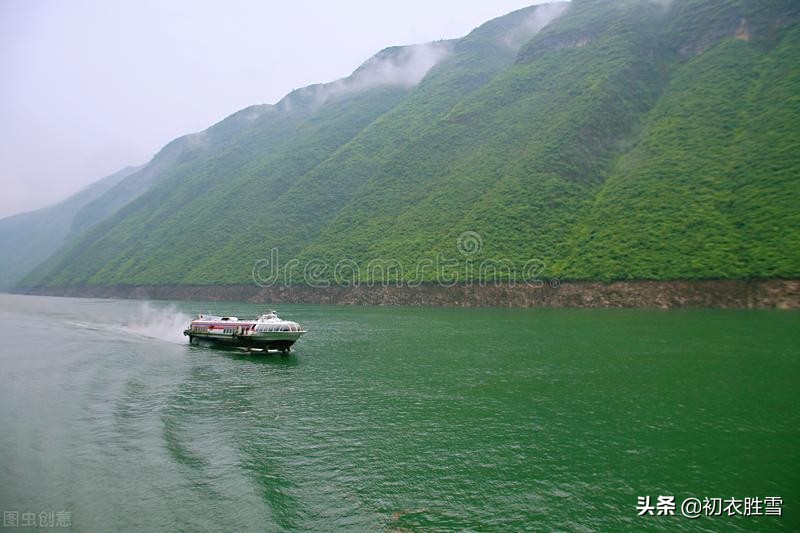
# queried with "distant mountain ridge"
point(29, 238)
point(606, 140)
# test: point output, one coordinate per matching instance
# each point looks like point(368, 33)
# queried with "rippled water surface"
point(396, 418)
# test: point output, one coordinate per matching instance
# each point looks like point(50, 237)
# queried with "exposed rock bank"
point(743, 294)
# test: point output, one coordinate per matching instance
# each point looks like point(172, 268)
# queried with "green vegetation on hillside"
point(706, 192)
point(625, 140)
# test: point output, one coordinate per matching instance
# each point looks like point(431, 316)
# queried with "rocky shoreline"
point(732, 294)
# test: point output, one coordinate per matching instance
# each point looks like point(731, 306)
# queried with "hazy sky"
point(89, 87)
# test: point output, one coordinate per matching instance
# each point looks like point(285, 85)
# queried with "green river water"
point(396, 418)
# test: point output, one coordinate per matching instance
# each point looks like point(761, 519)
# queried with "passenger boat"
point(267, 332)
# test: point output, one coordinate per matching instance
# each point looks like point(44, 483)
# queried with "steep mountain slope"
point(279, 178)
point(29, 238)
point(515, 161)
point(591, 140)
point(715, 171)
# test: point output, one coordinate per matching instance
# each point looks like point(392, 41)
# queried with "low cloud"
point(197, 140)
point(540, 17)
point(401, 66)
point(398, 66)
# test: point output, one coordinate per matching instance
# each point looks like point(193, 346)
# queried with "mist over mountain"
point(27, 239)
point(604, 139)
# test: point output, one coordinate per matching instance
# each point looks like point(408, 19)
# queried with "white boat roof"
point(215, 318)
point(269, 317)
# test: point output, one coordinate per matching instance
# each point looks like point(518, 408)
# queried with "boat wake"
point(162, 323)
